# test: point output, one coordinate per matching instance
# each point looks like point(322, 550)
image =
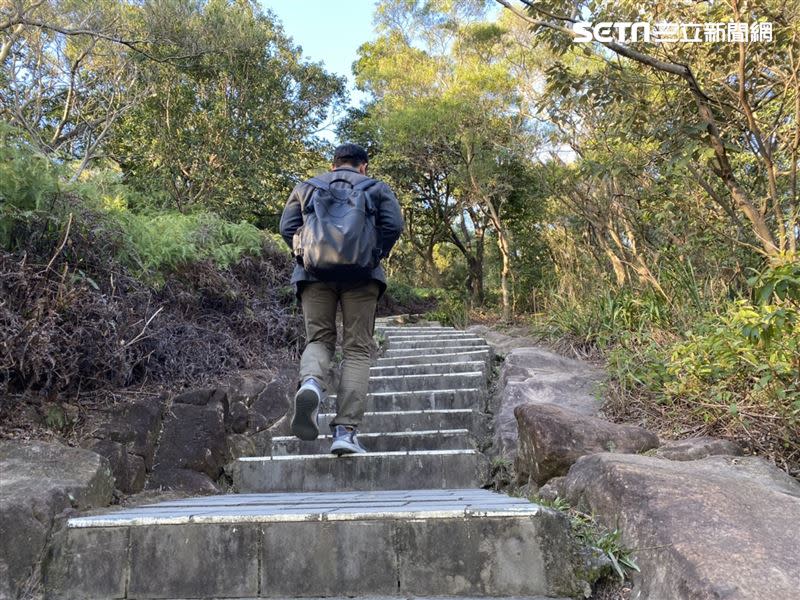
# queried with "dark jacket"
point(388, 220)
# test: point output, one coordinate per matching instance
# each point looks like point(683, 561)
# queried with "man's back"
point(388, 218)
point(320, 296)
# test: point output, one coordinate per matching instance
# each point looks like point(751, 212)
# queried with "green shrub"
point(402, 293)
point(600, 323)
point(28, 183)
point(451, 309)
point(151, 241)
point(749, 355)
point(167, 240)
point(736, 372)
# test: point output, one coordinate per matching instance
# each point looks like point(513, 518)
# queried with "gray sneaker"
point(345, 441)
point(306, 410)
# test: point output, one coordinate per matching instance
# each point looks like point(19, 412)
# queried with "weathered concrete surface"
point(411, 420)
point(433, 351)
point(552, 438)
point(536, 375)
point(38, 481)
point(419, 400)
point(405, 543)
point(373, 471)
point(209, 560)
point(697, 448)
point(720, 527)
point(483, 355)
point(387, 441)
point(435, 367)
point(90, 565)
point(427, 381)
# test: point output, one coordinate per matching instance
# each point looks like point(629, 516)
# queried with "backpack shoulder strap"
point(318, 183)
point(366, 184)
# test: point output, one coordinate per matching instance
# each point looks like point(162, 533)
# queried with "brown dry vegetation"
point(78, 328)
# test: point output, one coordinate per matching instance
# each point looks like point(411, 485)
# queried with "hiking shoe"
point(345, 441)
point(306, 410)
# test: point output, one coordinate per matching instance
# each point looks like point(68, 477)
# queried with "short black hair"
point(349, 154)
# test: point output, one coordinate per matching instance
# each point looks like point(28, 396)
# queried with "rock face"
point(503, 342)
point(535, 375)
point(720, 527)
point(201, 431)
point(552, 438)
point(193, 438)
point(39, 482)
point(273, 401)
point(127, 437)
point(697, 448)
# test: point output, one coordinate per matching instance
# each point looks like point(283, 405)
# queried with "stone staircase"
point(407, 519)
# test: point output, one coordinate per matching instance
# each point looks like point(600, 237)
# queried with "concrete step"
point(468, 355)
point(411, 420)
point(421, 337)
point(419, 469)
point(405, 321)
point(395, 543)
point(418, 400)
point(428, 368)
point(426, 381)
point(388, 441)
point(412, 352)
point(391, 331)
point(436, 343)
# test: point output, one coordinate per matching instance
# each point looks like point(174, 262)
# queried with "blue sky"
point(329, 31)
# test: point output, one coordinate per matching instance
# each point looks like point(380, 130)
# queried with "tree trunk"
point(505, 273)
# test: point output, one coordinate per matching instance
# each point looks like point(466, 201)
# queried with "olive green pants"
point(358, 302)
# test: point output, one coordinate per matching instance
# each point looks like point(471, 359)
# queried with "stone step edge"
point(381, 378)
point(421, 392)
point(443, 355)
point(310, 517)
point(365, 456)
point(413, 335)
point(423, 411)
point(377, 434)
point(457, 352)
point(477, 363)
point(230, 508)
point(397, 343)
point(456, 349)
point(447, 335)
point(395, 327)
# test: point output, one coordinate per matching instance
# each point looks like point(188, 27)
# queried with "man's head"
point(350, 155)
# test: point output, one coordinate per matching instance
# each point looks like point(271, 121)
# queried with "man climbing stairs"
point(406, 519)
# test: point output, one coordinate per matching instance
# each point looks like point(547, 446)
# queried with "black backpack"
point(338, 239)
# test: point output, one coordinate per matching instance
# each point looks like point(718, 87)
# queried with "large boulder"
point(506, 340)
point(552, 438)
point(720, 527)
point(697, 448)
point(535, 375)
point(40, 481)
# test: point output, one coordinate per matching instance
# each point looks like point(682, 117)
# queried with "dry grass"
point(78, 330)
